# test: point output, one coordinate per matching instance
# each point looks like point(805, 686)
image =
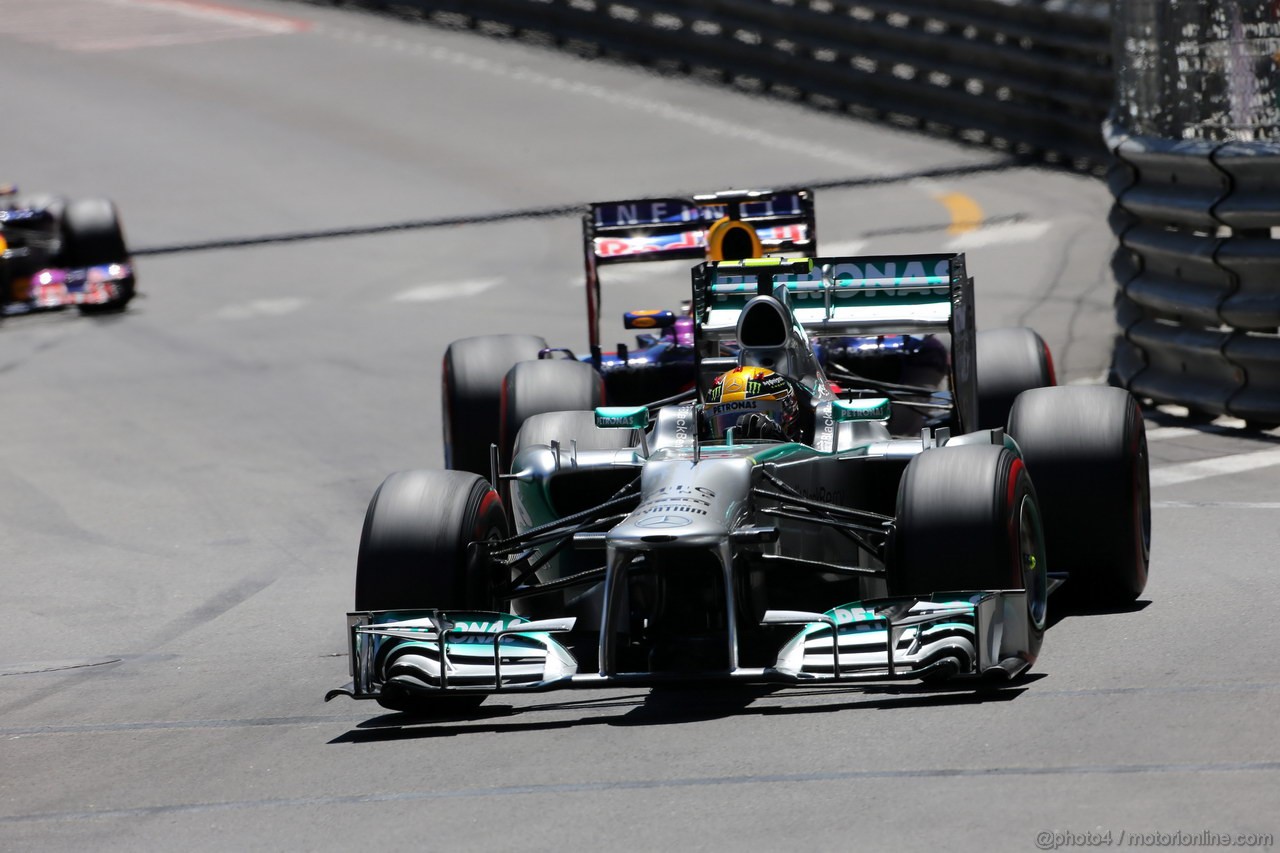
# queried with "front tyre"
point(968, 519)
point(413, 555)
point(91, 237)
point(413, 549)
point(1086, 448)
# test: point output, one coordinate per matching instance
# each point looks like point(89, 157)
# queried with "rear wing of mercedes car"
point(701, 227)
point(868, 295)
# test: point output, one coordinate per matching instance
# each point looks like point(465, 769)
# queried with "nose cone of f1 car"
point(686, 505)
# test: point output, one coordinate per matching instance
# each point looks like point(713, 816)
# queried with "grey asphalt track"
point(182, 486)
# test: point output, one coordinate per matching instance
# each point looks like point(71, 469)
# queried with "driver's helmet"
point(753, 399)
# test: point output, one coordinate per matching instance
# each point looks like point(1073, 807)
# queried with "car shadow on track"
point(682, 705)
point(1071, 610)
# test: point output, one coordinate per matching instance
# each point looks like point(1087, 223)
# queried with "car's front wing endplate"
point(963, 634)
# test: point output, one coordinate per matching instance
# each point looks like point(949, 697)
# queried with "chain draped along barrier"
point(1196, 180)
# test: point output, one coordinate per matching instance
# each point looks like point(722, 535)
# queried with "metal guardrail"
point(1198, 272)
point(1032, 77)
point(1196, 181)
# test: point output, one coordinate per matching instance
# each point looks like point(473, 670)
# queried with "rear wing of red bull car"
point(701, 227)
point(856, 296)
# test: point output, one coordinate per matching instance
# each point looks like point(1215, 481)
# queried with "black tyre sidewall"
point(91, 234)
point(1085, 447)
point(1010, 361)
point(958, 528)
point(413, 548)
point(537, 387)
point(471, 395)
point(957, 521)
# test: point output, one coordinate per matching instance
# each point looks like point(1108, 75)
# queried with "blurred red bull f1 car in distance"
point(57, 252)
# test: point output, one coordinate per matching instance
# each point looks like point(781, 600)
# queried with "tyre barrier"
point(1025, 76)
point(1198, 273)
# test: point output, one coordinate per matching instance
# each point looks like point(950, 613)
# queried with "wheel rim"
point(1031, 561)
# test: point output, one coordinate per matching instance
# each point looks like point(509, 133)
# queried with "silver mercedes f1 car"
point(700, 540)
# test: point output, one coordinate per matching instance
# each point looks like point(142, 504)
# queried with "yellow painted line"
point(966, 213)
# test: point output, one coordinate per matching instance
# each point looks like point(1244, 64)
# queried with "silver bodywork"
point(689, 508)
point(743, 560)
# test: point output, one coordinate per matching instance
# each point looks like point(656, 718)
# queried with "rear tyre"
point(92, 236)
point(1010, 361)
point(547, 385)
point(1086, 448)
point(413, 555)
point(968, 519)
point(471, 391)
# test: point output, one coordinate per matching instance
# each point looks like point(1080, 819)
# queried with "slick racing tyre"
point(547, 385)
point(1086, 449)
point(413, 555)
point(1010, 361)
point(471, 391)
point(92, 236)
point(968, 519)
point(413, 549)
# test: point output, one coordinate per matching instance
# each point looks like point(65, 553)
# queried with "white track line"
point(447, 290)
point(216, 12)
point(741, 131)
point(261, 308)
point(1186, 472)
point(998, 235)
point(1183, 412)
point(842, 249)
point(1162, 433)
point(111, 25)
point(621, 274)
point(1215, 505)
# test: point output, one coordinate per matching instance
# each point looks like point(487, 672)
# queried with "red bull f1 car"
point(57, 252)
